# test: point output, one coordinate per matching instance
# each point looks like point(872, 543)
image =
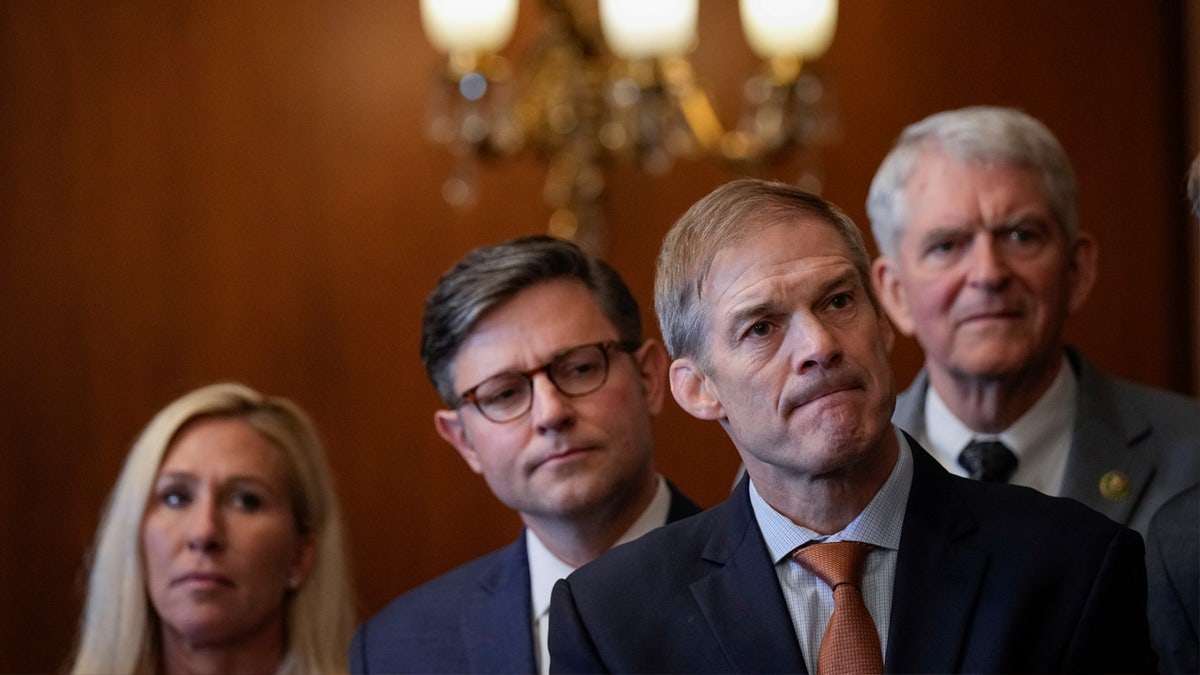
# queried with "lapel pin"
point(1114, 485)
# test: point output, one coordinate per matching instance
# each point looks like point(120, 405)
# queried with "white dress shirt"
point(1041, 438)
point(545, 569)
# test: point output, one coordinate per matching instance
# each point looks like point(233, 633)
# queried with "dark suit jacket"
point(476, 618)
point(1151, 436)
point(989, 578)
point(1173, 567)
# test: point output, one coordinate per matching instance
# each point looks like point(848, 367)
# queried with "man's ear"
point(1084, 263)
point(449, 426)
point(651, 359)
point(889, 335)
point(890, 292)
point(694, 390)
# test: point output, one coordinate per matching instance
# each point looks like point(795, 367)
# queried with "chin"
point(201, 633)
point(571, 498)
point(994, 361)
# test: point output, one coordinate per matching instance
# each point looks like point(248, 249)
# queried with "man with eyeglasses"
point(537, 350)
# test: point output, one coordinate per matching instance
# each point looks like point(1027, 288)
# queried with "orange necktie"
point(851, 644)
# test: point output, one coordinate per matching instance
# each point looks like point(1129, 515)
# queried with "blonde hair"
point(118, 632)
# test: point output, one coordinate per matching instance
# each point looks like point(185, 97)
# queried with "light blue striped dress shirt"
point(809, 600)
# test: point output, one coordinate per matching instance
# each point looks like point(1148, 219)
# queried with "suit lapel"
point(1100, 448)
point(497, 624)
point(937, 580)
point(910, 406)
point(1101, 440)
point(681, 506)
point(741, 599)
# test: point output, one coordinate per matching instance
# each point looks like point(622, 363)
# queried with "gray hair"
point(1002, 136)
point(726, 217)
point(488, 276)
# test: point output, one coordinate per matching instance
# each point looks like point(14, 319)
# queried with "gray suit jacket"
point(1150, 435)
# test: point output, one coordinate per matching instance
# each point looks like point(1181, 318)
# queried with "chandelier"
point(612, 80)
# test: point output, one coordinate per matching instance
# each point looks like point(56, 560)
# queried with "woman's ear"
point(694, 391)
point(306, 558)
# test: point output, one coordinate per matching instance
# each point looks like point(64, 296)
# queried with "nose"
point(551, 409)
point(205, 529)
point(814, 345)
point(986, 265)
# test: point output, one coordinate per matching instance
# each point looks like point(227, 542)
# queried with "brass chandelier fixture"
point(612, 79)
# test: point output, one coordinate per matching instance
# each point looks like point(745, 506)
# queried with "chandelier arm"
point(693, 102)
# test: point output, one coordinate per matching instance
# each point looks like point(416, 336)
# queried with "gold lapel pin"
point(1114, 485)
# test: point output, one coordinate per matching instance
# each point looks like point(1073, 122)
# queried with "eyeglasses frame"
point(605, 346)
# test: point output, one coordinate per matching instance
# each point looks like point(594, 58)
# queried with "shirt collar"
point(545, 569)
point(878, 524)
point(1052, 416)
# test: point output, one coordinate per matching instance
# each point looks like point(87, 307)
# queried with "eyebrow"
point(1025, 219)
point(740, 316)
point(959, 227)
point(189, 477)
point(554, 356)
point(944, 231)
point(848, 277)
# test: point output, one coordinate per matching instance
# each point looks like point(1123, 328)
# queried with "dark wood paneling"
point(231, 190)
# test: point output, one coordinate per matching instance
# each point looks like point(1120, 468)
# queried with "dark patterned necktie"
point(988, 461)
point(851, 643)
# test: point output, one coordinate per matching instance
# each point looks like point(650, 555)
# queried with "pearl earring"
point(294, 583)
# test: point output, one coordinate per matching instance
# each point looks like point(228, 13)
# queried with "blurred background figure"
point(982, 259)
point(1173, 554)
point(221, 547)
point(1173, 568)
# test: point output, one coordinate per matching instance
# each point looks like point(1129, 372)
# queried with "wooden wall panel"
point(229, 190)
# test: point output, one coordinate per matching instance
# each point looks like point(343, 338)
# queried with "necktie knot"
point(988, 461)
point(836, 563)
point(851, 643)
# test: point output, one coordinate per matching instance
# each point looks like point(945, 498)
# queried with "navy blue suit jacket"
point(989, 578)
point(477, 618)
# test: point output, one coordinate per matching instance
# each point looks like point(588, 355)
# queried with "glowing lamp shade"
point(641, 29)
point(801, 28)
point(469, 25)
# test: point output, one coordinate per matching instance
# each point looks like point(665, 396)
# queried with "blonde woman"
point(221, 547)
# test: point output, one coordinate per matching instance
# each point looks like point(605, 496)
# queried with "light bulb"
point(469, 25)
point(802, 28)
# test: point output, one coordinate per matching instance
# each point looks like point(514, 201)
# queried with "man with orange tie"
point(846, 547)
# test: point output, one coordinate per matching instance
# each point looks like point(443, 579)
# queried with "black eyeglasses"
point(575, 372)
